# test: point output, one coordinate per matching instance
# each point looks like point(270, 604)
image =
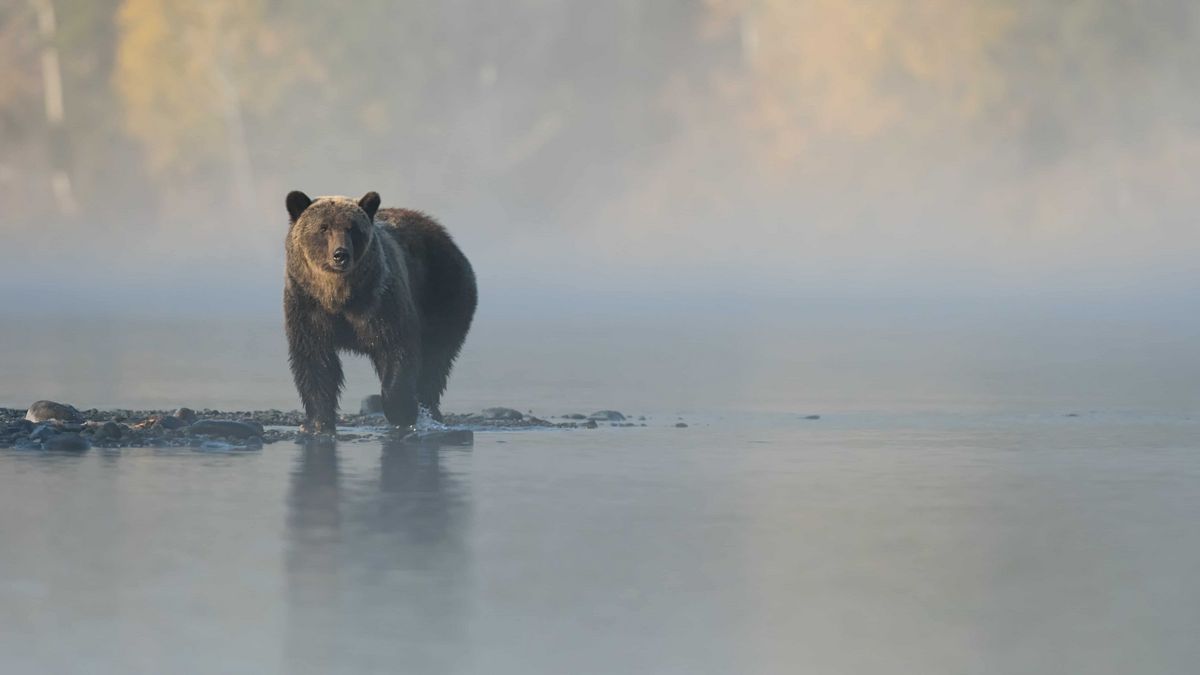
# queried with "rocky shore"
point(48, 425)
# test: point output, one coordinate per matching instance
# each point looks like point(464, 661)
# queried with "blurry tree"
point(861, 70)
point(188, 73)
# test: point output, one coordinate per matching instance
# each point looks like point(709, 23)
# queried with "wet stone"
point(228, 428)
point(501, 414)
point(107, 432)
point(371, 405)
point(69, 442)
point(43, 411)
point(170, 422)
point(43, 432)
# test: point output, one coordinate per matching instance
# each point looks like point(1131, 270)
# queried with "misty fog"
point(800, 198)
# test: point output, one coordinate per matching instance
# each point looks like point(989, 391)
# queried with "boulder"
point(45, 411)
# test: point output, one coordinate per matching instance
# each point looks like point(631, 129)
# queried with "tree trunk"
point(60, 175)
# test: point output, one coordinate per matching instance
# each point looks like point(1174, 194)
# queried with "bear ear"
point(370, 204)
point(297, 201)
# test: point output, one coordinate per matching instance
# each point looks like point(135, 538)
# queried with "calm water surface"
point(755, 544)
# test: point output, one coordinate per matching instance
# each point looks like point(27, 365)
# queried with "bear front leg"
point(317, 372)
point(318, 378)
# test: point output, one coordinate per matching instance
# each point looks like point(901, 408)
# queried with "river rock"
point(66, 443)
point(607, 416)
point(371, 405)
point(45, 411)
point(501, 414)
point(228, 428)
point(107, 432)
point(43, 432)
point(172, 422)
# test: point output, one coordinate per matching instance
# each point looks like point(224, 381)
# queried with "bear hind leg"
point(399, 391)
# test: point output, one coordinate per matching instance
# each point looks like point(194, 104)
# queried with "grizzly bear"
point(387, 283)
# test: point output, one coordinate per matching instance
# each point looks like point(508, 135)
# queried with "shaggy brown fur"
point(390, 284)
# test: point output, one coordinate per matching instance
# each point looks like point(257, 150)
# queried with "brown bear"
point(387, 283)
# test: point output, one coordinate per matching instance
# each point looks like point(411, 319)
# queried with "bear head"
point(332, 233)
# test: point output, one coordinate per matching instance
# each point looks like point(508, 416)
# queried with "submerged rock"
point(812, 417)
point(607, 416)
point(575, 416)
point(501, 414)
point(590, 424)
point(681, 425)
point(230, 428)
point(45, 411)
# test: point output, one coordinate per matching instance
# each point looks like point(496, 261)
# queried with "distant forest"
point(178, 110)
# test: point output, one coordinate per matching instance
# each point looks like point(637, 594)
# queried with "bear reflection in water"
point(377, 560)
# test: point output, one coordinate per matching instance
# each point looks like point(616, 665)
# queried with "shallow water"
point(749, 543)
